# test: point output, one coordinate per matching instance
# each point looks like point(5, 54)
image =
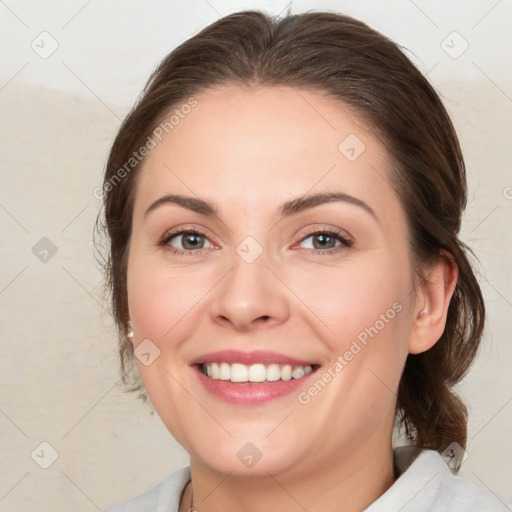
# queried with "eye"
point(186, 240)
point(325, 241)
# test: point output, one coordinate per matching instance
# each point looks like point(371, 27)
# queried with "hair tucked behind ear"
point(346, 60)
point(431, 413)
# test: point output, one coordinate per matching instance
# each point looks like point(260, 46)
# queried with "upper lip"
point(248, 358)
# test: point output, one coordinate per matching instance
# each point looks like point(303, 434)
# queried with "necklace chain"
point(191, 508)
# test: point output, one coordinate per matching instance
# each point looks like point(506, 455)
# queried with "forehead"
point(259, 146)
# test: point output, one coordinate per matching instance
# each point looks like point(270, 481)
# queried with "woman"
point(283, 205)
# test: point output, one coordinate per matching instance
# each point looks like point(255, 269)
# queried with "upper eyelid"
point(337, 231)
point(346, 241)
point(201, 231)
point(183, 231)
point(342, 234)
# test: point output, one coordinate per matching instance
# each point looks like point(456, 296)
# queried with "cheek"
point(161, 300)
point(354, 301)
point(366, 309)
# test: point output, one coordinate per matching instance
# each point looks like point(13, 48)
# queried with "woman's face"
point(276, 282)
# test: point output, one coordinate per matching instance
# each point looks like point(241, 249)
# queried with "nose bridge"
point(249, 293)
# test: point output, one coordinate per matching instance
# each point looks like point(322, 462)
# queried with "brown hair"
point(346, 60)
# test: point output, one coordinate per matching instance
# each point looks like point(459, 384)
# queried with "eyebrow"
point(287, 209)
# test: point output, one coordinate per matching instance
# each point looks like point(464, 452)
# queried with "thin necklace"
point(191, 509)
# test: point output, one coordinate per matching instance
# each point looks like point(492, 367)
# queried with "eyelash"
point(332, 233)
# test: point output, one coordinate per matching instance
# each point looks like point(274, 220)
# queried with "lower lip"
point(250, 393)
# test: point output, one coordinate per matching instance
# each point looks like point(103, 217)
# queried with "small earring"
point(129, 334)
point(424, 312)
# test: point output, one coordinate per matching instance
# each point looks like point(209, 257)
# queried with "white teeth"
point(238, 372)
point(298, 372)
point(224, 373)
point(273, 372)
point(286, 372)
point(257, 373)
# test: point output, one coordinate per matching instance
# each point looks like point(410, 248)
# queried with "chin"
point(248, 460)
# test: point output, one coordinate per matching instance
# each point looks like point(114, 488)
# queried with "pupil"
point(324, 241)
point(189, 240)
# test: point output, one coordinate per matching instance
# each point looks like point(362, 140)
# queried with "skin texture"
point(248, 151)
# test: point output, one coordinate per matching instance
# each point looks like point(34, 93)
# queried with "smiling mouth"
point(258, 372)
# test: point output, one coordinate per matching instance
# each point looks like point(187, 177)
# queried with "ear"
point(433, 299)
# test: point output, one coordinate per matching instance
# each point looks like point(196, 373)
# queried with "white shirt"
point(424, 483)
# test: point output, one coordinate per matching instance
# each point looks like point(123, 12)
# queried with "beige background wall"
point(58, 366)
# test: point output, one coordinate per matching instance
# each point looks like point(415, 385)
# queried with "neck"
point(349, 482)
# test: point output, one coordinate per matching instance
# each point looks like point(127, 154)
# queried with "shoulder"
point(164, 496)
point(426, 483)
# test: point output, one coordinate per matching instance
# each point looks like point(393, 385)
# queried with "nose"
point(250, 296)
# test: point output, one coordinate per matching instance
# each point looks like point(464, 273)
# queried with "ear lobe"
point(433, 299)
